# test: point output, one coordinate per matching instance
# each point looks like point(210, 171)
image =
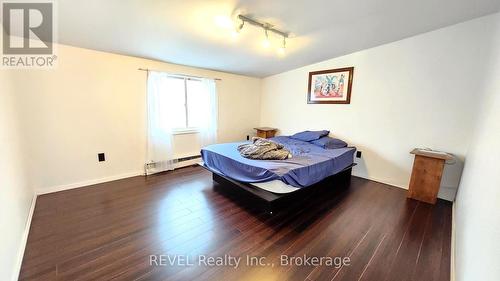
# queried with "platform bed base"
point(273, 202)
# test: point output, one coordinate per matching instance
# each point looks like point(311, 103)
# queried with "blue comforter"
point(309, 164)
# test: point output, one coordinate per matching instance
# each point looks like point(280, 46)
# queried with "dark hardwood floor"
point(109, 232)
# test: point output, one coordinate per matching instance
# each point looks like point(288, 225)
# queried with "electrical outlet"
point(358, 154)
point(101, 157)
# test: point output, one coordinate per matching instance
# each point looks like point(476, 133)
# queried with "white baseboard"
point(87, 183)
point(24, 239)
point(445, 192)
point(452, 259)
point(379, 181)
point(53, 189)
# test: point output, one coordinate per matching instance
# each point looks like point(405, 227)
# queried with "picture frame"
point(332, 86)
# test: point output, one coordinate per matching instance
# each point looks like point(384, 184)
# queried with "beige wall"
point(16, 193)
point(95, 102)
point(418, 92)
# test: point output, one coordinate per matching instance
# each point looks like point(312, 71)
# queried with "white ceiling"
point(185, 32)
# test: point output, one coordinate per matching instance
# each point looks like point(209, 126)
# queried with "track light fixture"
point(266, 43)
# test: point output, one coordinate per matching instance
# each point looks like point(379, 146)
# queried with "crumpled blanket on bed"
point(264, 149)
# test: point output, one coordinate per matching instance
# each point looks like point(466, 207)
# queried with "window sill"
point(185, 131)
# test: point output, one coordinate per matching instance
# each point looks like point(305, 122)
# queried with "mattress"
point(309, 164)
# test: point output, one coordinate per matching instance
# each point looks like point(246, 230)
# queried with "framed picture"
point(330, 86)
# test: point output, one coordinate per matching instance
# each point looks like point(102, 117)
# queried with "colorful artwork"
point(330, 86)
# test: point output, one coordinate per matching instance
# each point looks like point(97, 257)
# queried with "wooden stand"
point(265, 132)
point(426, 175)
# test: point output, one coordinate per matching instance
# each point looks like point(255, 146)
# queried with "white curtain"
point(208, 129)
point(160, 142)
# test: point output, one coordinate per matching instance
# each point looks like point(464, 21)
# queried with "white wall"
point(477, 207)
point(418, 92)
point(95, 102)
point(15, 191)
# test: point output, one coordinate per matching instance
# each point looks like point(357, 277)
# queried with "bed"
point(275, 181)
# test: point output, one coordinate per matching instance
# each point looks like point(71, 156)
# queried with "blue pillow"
point(310, 135)
point(329, 143)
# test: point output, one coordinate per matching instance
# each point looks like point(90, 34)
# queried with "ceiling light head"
point(235, 33)
point(240, 27)
point(282, 48)
point(266, 43)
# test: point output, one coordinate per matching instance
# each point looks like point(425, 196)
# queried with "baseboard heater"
point(183, 159)
point(175, 161)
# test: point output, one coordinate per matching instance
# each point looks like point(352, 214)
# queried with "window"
point(177, 104)
point(188, 100)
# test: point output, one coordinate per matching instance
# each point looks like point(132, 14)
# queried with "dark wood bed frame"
point(272, 202)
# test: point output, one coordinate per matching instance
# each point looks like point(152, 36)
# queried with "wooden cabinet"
point(426, 175)
point(265, 132)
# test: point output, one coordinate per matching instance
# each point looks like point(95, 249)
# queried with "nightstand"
point(266, 132)
point(426, 174)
